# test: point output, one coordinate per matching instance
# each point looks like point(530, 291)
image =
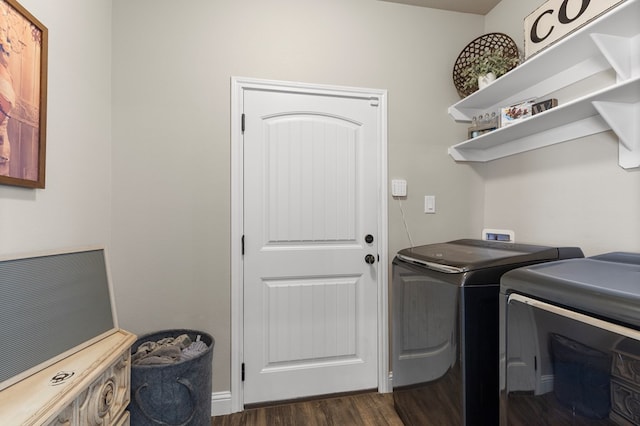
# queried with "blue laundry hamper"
point(177, 394)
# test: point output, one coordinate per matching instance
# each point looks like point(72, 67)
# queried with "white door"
point(311, 165)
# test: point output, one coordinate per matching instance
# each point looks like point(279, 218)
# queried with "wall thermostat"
point(399, 188)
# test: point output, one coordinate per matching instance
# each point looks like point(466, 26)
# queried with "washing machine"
point(445, 316)
point(570, 342)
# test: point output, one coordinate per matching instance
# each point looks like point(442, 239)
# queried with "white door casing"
point(309, 316)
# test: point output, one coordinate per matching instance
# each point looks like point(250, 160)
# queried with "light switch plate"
point(429, 203)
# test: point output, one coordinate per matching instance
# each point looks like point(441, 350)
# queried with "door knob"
point(368, 238)
point(370, 259)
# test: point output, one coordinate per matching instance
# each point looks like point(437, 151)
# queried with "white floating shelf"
point(610, 42)
point(575, 119)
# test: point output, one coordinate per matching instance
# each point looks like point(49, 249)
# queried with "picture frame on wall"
point(23, 96)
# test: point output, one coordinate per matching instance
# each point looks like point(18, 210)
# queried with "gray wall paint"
point(165, 154)
point(74, 209)
point(573, 193)
point(171, 133)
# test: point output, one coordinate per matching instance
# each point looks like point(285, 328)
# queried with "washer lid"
point(467, 255)
point(606, 285)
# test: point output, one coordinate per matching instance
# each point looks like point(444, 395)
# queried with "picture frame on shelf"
point(515, 113)
point(476, 131)
point(484, 124)
point(23, 96)
point(543, 106)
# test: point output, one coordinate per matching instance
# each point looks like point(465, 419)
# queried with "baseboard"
point(387, 385)
point(545, 385)
point(220, 403)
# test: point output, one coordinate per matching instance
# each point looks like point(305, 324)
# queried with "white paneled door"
point(311, 165)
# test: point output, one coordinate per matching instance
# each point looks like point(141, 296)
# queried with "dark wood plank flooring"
point(438, 403)
point(367, 409)
point(375, 409)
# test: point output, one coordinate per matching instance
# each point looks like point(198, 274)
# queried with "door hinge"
point(242, 122)
point(242, 372)
point(242, 243)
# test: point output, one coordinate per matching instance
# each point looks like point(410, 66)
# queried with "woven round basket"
point(473, 50)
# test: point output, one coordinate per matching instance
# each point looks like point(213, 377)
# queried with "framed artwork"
point(23, 96)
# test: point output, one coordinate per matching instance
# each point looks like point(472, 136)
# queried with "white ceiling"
point(480, 7)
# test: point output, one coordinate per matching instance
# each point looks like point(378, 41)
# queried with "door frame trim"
point(238, 85)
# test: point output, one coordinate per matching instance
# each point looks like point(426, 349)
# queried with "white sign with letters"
point(557, 18)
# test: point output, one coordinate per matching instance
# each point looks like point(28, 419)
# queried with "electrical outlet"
point(504, 235)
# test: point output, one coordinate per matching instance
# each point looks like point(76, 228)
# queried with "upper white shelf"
point(610, 42)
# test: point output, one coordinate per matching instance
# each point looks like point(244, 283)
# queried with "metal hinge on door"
point(242, 242)
point(242, 122)
point(242, 372)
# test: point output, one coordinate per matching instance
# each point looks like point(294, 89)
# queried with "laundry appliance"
point(446, 325)
point(570, 342)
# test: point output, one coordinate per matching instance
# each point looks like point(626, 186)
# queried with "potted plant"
point(485, 68)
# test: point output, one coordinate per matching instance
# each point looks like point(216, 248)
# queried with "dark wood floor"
point(367, 409)
point(375, 409)
point(437, 404)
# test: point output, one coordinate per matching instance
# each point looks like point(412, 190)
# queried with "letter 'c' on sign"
point(562, 13)
point(535, 38)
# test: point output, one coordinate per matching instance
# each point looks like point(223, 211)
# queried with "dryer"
point(570, 342)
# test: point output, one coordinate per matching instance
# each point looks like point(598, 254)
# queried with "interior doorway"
point(309, 238)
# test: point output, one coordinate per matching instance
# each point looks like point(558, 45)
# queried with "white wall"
point(74, 208)
point(172, 66)
point(573, 193)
